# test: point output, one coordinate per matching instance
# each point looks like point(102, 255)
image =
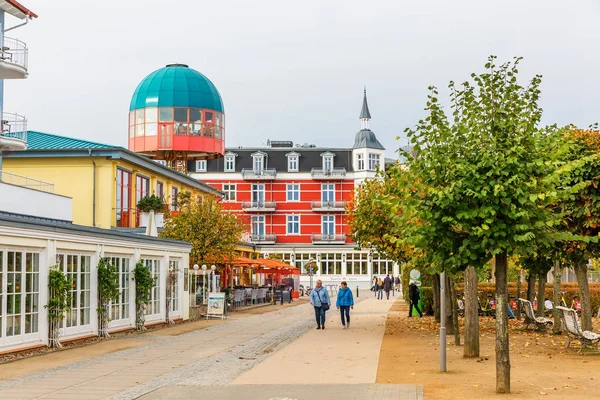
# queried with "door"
point(165, 136)
point(258, 194)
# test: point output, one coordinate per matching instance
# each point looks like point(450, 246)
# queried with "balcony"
point(25, 181)
point(13, 133)
point(259, 206)
point(267, 174)
point(13, 59)
point(328, 239)
point(22, 195)
point(263, 239)
point(326, 174)
point(328, 206)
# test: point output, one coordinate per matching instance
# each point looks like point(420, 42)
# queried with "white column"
point(164, 270)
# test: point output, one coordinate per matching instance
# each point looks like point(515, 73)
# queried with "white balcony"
point(263, 239)
point(13, 132)
point(267, 174)
point(328, 206)
point(327, 174)
point(328, 239)
point(259, 206)
point(13, 59)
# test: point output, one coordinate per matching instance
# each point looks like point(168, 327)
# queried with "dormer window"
point(258, 162)
point(230, 162)
point(293, 161)
point(327, 161)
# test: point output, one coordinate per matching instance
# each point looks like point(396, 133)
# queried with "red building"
point(293, 198)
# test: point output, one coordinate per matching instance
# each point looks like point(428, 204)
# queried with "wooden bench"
point(540, 323)
point(570, 325)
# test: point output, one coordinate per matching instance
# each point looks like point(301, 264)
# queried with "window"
point(373, 161)
point(77, 268)
point(201, 166)
point(142, 187)
point(360, 162)
point(328, 192)
point(328, 226)
point(174, 269)
point(293, 192)
point(258, 226)
point(161, 162)
point(293, 224)
point(229, 163)
point(174, 195)
point(381, 266)
point(293, 163)
point(160, 189)
point(165, 114)
point(258, 193)
point(153, 306)
point(229, 190)
point(119, 309)
point(328, 162)
point(123, 198)
point(357, 264)
point(258, 163)
point(21, 288)
point(331, 264)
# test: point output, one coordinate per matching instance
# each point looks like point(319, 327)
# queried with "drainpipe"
point(94, 191)
point(20, 25)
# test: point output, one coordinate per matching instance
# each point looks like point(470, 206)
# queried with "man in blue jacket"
point(345, 302)
point(319, 298)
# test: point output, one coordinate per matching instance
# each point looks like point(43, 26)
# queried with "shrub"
point(151, 203)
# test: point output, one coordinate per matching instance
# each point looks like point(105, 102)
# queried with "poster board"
point(216, 305)
point(415, 276)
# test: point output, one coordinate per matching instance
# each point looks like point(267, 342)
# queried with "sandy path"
point(330, 356)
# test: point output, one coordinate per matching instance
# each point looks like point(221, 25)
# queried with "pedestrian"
point(379, 289)
point(397, 283)
point(413, 294)
point(374, 287)
point(319, 298)
point(345, 302)
point(387, 286)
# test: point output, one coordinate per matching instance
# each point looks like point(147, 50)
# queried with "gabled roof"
point(47, 141)
point(16, 9)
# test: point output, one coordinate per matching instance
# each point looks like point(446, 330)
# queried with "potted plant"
point(148, 204)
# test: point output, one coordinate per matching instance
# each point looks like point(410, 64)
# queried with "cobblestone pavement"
point(292, 392)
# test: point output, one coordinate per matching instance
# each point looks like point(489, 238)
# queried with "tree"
point(213, 232)
point(108, 290)
point(483, 192)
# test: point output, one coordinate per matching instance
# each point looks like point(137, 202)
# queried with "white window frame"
point(258, 163)
point(201, 166)
point(328, 162)
point(374, 161)
point(72, 321)
point(328, 188)
point(257, 193)
point(330, 221)
point(229, 158)
point(231, 188)
point(293, 161)
point(360, 162)
point(291, 189)
point(292, 220)
point(257, 221)
point(121, 311)
point(154, 307)
point(174, 266)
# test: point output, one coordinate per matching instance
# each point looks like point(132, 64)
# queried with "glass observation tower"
point(176, 115)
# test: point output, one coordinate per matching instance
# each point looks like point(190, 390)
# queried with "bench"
point(540, 323)
point(571, 326)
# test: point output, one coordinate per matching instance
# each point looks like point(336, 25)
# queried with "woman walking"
point(319, 298)
point(345, 302)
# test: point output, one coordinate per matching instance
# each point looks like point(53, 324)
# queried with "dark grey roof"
point(364, 113)
point(366, 138)
point(60, 226)
point(310, 157)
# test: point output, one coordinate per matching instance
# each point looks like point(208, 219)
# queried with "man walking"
point(345, 302)
point(397, 283)
point(413, 293)
point(387, 286)
point(319, 298)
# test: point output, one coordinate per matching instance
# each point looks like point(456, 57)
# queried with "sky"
point(296, 70)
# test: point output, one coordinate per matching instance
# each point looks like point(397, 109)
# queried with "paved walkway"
point(236, 351)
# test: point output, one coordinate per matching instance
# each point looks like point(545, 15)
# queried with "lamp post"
point(196, 268)
point(214, 279)
point(204, 267)
point(310, 266)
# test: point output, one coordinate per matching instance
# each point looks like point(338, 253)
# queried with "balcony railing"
point(328, 239)
point(259, 206)
point(263, 239)
point(13, 51)
point(334, 173)
point(328, 205)
point(13, 126)
point(258, 175)
point(25, 181)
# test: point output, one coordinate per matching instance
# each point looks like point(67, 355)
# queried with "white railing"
point(259, 205)
point(13, 126)
point(320, 173)
point(328, 239)
point(14, 51)
point(263, 174)
point(328, 205)
point(25, 181)
point(271, 239)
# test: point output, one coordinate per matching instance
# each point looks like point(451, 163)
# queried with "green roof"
point(46, 141)
point(176, 85)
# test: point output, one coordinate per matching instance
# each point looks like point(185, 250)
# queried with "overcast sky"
point(296, 70)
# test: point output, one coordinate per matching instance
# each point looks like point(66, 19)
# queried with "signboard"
point(216, 305)
point(415, 276)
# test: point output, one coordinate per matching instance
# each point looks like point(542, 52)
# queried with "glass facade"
point(119, 309)
point(185, 122)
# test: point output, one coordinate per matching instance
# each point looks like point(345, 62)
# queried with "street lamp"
point(214, 278)
point(310, 267)
point(196, 268)
point(204, 267)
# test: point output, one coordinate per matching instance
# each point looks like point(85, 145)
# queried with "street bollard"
point(357, 291)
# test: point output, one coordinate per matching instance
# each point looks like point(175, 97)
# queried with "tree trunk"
point(436, 296)
point(542, 278)
point(519, 295)
point(584, 295)
point(556, 297)
point(531, 287)
point(502, 349)
point(471, 348)
point(450, 304)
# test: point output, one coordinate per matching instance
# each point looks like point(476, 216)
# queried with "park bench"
point(571, 326)
point(540, 323)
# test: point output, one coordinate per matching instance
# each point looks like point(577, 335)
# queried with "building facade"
point(293, 199)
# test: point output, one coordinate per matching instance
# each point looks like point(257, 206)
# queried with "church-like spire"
point(365, 115)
